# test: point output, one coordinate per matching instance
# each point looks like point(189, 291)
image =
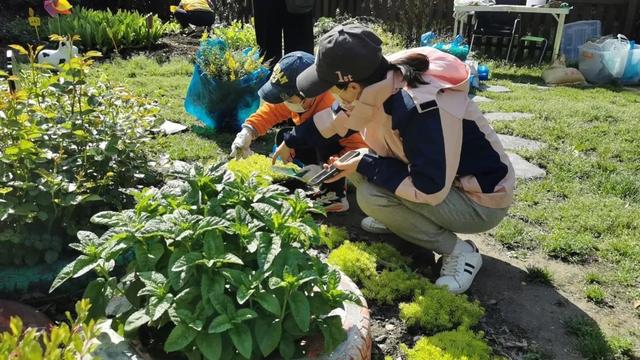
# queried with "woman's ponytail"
point(412, 67)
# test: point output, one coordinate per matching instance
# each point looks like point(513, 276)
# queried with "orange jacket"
point(269, 115)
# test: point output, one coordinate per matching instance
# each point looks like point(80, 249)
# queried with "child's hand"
point(284, 153)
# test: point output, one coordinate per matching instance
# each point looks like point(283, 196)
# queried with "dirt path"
point(521, 317)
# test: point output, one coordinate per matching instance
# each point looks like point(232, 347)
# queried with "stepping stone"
point(517, 143)
point(634, 89)
point(524, 169)
point(503, 116)
point(543, 88)
point(169, 127)
point(495, 89)
point(479, 99)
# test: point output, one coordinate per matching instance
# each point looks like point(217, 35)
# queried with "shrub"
point(390, 286)
point(76, 340)
point(353, 261)
point(386, 255)
point(540, 275)
point(230, 54)
point(220, 262)
point(592, 343)
point(462, 342)
point(106, 31)
point(436, 309)
point(66, 150)
point(424, 350)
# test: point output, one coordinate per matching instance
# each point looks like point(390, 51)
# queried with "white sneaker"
point(459, 269)
point(373, 226)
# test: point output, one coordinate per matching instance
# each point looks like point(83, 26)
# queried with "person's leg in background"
point(201, 18)
point(298, 32)
point(182, 17)
point(268, 18)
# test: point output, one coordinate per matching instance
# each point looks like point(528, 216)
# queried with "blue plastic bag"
point(223, 105)
point(456, 48)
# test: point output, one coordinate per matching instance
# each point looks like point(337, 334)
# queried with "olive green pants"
point(431, 227)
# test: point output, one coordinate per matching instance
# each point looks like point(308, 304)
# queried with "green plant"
point(462, 342)
point(424, 350)
point(106, 31)
point(386, 255)
point(622, 348)
point(389, 286)
point(66, 149)
point(230, 54)
point(220, 262)
point(333, 236)
point(353, 261)
point(595, 294)
point(515, 234)
point(593, 278)
point(76, 340)
point(540, 275)
point(436, 309)
point(259, 167)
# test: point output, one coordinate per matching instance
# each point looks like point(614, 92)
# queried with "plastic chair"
point(536, 39)
point(498, 24)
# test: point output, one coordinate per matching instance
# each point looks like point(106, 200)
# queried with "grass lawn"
point(587, 209)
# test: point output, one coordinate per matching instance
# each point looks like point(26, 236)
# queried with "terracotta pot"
point(30, 316)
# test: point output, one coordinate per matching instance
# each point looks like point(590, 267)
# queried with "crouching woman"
point(437, 167)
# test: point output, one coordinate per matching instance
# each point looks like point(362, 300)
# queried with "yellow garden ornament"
point(33, 19)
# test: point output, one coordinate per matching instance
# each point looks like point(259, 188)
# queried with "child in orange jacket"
point(282, 101)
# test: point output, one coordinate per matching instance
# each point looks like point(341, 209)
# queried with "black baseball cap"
point(282, 83)
point(347, 53)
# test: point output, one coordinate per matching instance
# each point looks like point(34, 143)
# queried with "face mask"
point(296, 108)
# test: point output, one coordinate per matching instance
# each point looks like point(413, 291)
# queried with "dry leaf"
point(636, 305)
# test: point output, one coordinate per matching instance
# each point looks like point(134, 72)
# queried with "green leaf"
point(268, 248)
point(287, 347)
point(185, 261)
point(213, 244)
point(300, 310)
point(158, 306)
point(333, 333)
point(268, 333)
point(244, 315)
point(269, 302)
point(236, 277)
point(243, 294)
point(108, 218)
point(135, 320)
point(242, 339)
point(80, 266)
point(210, 345)
point(220, 324)
point(177, 279)
point(179, 338)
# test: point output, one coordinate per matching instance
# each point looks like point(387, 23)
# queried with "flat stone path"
point(479, 99)
point(518, 143)
point(524, 169)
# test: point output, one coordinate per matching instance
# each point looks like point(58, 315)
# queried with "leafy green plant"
point(593, 278)
point(218, 261)
point(356, 263)
point(595, 294)
point(424, 350)
point(257, 166)
point(106, 31)
point(230, 53)
point(66, 149)
point(386, 255)
point(333, 236)
point(462, 342)
point(539, 275)
point(436, 309)
point(76, 340)
point(389, 286)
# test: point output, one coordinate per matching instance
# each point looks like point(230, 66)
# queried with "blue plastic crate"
point(575, 34)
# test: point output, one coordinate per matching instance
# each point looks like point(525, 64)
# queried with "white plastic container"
point(536, 2)
point(604, 59)
point(577, 33)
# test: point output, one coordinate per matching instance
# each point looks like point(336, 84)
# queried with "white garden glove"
point(240, 148)
point(309, 171)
